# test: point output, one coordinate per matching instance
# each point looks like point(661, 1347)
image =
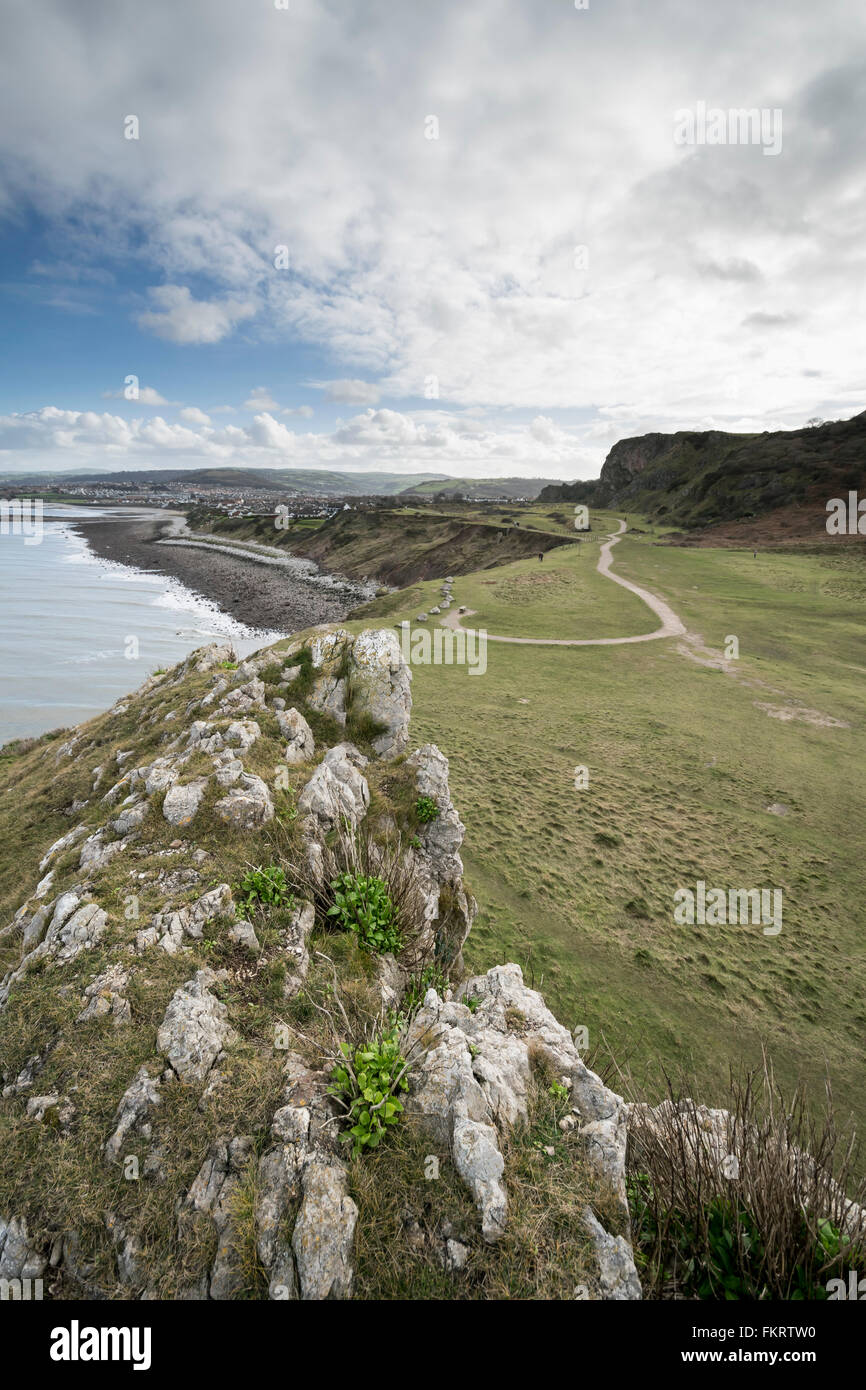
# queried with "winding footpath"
point(670, 623)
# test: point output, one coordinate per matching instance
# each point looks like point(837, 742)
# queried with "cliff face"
point(196, 957)
point(701, 478)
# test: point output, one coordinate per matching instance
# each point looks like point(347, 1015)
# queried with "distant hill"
point(315, 481)
point(478, 489)
point(704, 478)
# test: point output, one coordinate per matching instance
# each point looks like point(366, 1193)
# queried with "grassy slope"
point(395, 546)
point(682, 767)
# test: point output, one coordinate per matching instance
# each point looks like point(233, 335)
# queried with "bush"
point(362, 905)
point(769, 1220)
point(366, 1083)
point(264, 886)
point(426, 809)
point(358, 856)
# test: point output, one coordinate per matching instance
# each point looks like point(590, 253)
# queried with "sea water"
point(77, 632)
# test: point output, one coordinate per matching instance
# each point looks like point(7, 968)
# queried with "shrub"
point(426, 809)
point(359, 856)
point(264, 886)
point(768, 1221)
point(366, 1083)
point(362, 905)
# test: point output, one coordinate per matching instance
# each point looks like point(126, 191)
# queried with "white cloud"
point(191, 415)
point(145, 395)
point(714, 277)
point(182, 319)
point(349, 392)
point(260, 398)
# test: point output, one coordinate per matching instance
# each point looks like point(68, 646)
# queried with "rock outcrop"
point(157, 955)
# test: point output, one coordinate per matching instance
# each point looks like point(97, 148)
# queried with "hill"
point(392, 546)
point(479, 489)
point(697, 479)
point(293, 481)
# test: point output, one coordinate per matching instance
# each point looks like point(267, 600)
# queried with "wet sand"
point(255, 594)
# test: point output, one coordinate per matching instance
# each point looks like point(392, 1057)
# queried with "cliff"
point(239, 1049)
point(703, 478)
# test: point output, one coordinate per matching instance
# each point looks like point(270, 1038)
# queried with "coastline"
point(254, 593)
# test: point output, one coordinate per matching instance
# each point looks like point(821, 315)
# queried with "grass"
point(408, 1204)
point(683, 766)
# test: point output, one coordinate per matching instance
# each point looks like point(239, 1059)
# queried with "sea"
point(77, 632)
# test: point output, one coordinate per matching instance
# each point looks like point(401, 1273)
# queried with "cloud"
point(349, 392)
point(450, 265)
point(146, 395)
point(260, 398)
point(182, 319)
point(191, 415)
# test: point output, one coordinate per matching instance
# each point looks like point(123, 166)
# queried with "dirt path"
point(670, 623)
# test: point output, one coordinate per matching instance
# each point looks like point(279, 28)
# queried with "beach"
point(261, 595)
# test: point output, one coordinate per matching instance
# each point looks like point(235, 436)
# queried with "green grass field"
point(683, 765)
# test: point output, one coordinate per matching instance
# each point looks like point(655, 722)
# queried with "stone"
point(183, 800)
point(337, 790)
point(105, 996)
point(243, 699)
point(242, 734)
point(132, 1114)
point(171, 925)
point(55, 1108)
point(617, 1274)
point(133, 813)
point(324, 1233)
point(295, 939)
point(301, 744)
point(195, 1030)
point(380, 682)
point(243, 934)
point(247, 805)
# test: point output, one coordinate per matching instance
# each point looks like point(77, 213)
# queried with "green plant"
point(362, 905)
point(558, 1091)
point(228, 665)
point(431, 977)
point(264, 886)
point(415, 842)
point(426, 809)
point(366, 1082)
point(472, 1001)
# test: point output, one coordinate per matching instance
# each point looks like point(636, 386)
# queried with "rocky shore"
point(259, 595)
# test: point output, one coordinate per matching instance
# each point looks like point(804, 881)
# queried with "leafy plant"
point(367, 1083)
point(426, 809)
point(264, 886)
point(362, 905)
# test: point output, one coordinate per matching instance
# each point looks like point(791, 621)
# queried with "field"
point(744, 773)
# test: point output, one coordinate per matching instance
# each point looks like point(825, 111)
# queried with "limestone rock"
point(195, 1030)
point(337, 789)
point(131, 1116)
point(294, 727)
point(247, 805)
point(183, 800)
point(380, 683)
point(105, 996)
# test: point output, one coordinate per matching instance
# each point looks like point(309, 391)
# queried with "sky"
point(484, 238)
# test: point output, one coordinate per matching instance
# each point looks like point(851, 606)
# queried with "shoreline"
point(262, 597)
